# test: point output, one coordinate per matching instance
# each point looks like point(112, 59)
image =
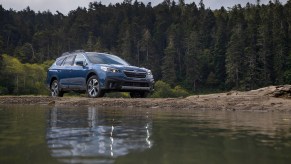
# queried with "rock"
point(287, 88)
point(277, 93)
point(282, 91)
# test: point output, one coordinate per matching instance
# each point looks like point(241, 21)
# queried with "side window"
point(68, 61)
point(79, 57)
point(59, 61)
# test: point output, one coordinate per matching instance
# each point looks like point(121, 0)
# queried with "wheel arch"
point(52, 79)
point(100, 92)
point(90, 74)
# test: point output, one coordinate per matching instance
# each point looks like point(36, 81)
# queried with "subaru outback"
point(96, 74)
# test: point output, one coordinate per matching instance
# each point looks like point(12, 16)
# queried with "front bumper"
point(128, 84)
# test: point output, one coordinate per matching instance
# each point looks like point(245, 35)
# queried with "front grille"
point(135, 74)
point(135, 84)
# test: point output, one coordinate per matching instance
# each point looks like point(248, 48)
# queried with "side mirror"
point(80, 63)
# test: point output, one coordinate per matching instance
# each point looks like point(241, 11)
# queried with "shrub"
point(163, 90)
point(180, 92)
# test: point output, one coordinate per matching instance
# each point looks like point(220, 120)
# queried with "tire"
point(93, 87)
point(55, 90)
point(140, 94)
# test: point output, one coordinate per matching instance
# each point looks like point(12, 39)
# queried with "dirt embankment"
point(265, 99)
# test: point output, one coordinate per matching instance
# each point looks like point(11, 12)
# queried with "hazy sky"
point(64, 6)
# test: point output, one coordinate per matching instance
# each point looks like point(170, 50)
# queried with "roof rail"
point(70, 52)
point(65, 53)
point(76, 51)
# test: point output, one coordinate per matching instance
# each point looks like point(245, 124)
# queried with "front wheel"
point(55, 90)
point(140, 94)
point(93, 87)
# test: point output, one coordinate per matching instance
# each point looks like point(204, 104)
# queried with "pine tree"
point(90, 42)
point(251, 62)
point(125, 43)
point(168, 66)
point(287, 73)
point(280, 46)
point(192, 60)
point(220, 47)
point(234, 58)
point(145, 43)
point(264, 45)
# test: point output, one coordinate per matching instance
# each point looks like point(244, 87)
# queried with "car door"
point(78, 73)
point(65, 72)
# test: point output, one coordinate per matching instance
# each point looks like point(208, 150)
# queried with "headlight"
point(109, 69)
point(149, 72)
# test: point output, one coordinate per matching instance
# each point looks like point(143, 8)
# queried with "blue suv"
point(97, 73)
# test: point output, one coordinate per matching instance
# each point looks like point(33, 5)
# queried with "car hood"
point(127, 68)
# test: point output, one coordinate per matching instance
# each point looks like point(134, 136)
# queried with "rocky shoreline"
point(273, 98)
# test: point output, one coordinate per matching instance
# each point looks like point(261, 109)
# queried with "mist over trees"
point(183, 44)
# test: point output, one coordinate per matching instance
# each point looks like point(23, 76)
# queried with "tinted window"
point(68, 61)
point(105, 59)
point(59, 61)
point(79, 57)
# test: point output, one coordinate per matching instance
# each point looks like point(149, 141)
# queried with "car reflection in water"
point(89, 136)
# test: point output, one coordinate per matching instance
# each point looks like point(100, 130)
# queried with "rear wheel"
point(55, 90)
point(140, 94)
point(93, 87)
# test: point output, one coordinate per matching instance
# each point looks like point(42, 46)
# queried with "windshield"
point(96, 58)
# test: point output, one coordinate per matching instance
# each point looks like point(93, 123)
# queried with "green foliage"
point(164, 90)
point(21, 78)
point(47, 64)
point(180, 92)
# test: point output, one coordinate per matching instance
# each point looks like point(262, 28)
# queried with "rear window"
point(68, 61)
point(59, 61)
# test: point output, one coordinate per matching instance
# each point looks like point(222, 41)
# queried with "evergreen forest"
point(185, 45)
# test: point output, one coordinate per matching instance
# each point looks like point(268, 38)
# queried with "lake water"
point(44, 134)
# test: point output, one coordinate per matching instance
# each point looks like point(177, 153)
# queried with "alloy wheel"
point(54, 89)
point(93, 87)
